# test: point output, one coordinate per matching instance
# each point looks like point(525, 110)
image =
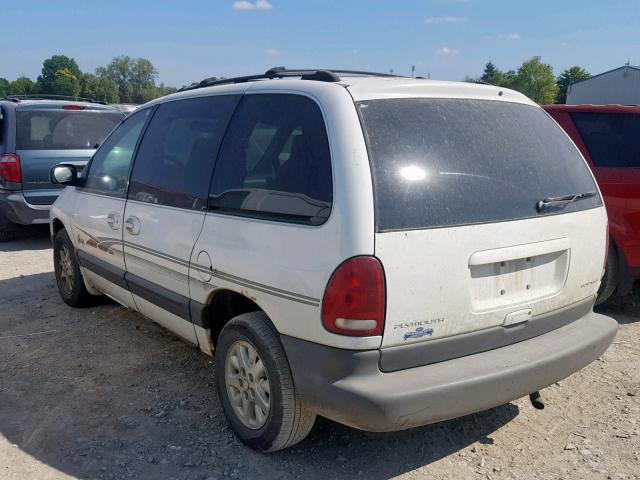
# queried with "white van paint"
point(442, 283)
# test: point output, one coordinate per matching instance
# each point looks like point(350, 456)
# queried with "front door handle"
point(132, 224)
point(113, 220)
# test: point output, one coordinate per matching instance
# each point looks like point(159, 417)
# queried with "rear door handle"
point(113, 220)
point(132, 224)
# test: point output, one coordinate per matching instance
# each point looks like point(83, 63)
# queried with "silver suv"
point(36, 133)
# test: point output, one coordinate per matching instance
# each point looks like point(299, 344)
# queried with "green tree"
point(508, 79)
point(566, 78)
point(492, 74)
point(535, 79)
point(135, 77)
point(97, 88)
point(51, 67)
point(4, 87)
point(22, 86)
point(66, 83)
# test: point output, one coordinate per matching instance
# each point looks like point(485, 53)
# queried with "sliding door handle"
point(132, 224)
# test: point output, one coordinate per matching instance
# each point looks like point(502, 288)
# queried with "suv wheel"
point(609, 280)
point(67, 271)
point(6, 234)
point(256, 388)
point(7, 229)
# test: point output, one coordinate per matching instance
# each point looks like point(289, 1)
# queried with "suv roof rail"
point(321, 75)
point(46, 96)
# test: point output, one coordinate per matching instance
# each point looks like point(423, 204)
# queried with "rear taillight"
point(354, 300)
point(73, 107)
point(10, 168)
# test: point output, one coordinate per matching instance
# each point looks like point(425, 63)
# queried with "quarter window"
point(175, 159)
point(613, 140)
point(274, 162)
point(110, 165)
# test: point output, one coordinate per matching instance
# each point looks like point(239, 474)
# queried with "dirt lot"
point(104, 393)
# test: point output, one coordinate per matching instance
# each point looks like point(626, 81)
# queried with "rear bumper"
point(17, 210)
point(348, 386)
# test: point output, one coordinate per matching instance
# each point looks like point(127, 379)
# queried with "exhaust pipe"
point(536, 401)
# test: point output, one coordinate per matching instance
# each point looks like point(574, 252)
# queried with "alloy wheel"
point(247, 384)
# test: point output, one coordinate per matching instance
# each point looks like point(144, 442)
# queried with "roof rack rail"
point(321, 75)
point(46, 96)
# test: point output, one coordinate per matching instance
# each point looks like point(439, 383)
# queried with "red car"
point(609, 138)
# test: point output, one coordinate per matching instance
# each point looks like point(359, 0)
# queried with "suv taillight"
point(354, 300)
point(10, 168)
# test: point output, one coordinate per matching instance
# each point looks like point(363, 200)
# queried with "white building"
point(617, 86)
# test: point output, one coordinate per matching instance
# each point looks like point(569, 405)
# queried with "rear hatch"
point(48, 134)
point(463, 242)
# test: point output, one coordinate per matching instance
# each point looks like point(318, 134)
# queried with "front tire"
point(256, 388)
point(67, 271)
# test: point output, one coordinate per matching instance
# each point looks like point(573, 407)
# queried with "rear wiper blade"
point(562, 201)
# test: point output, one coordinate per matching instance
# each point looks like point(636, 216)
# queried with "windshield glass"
point(63, 129)
point(446, 162)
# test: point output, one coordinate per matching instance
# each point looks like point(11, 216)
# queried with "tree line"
point(535, 79)
point(123, 80)
point(133, 80)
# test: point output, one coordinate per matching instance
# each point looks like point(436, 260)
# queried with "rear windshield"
point(63, 129)
point(446, 162)
point(613, 140)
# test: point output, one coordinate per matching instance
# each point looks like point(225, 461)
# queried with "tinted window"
point(175, 159)
point(62, 129)
point(613, 140)
point(1, 128)
point(439, 162)
point(109, 168)
point(274, 162)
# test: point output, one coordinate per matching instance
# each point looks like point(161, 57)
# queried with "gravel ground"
point(104, 393)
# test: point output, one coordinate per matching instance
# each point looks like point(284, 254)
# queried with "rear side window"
point(446, 162)
point(613, 140)
point(174, 163)
point(63, 129)
point(274, 162)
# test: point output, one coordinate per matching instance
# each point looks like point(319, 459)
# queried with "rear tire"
point(67, 271)
point(7, 229)
point(6, 235)
point(250, 362)
point(609, 281)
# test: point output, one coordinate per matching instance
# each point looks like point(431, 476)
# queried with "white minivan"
point(385, 252)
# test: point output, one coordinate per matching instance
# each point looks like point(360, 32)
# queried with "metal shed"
point(618, 86)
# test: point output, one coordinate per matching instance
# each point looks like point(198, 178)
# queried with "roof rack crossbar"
point(47, 96)
point(324, 75)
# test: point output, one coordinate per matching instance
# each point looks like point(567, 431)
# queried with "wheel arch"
point(224, 305)
point(55, 226)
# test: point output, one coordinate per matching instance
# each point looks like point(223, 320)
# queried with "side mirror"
point(64, 174)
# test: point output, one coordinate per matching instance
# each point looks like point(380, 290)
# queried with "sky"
point(188, 40)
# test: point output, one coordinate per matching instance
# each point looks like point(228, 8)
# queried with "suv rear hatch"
point(464, 245)
point(48, 134)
